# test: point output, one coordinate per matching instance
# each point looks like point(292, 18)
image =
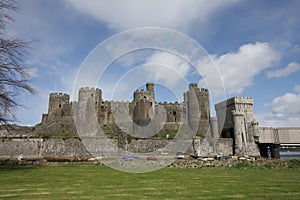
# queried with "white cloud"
point(289, 69)
point(31, 72)
point(297, 88)
point(272, 120)
point(33, 106)
point(288, 104)
point(175, 69)
point(238, 69)
point(285, 110)
point(160, 67)
point(120, 15)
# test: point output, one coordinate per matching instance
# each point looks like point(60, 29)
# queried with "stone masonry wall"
point(14, 147)
point(146, 145)
point(11, 148)
point(225, 146)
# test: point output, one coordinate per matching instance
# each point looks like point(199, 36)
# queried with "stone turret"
point(59, 105)
point(59, 118)
point(239, 131)
point(87, 94)
point(150, 93)
point(214, 127)
point(143, 105)
point(255, 130)
point(197, 109)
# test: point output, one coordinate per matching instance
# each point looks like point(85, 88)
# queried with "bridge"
point(272, 139)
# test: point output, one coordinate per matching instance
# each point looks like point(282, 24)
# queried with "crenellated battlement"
point(89, 89)
point(147, 94)
point(86, 88)
point(236, 113)
point(204, 90)
point(59, 94)
point(169, 103)
point(234, 101)
point(193, 86)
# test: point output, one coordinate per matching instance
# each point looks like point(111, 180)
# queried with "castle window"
point(59, 105)
point(92, 95)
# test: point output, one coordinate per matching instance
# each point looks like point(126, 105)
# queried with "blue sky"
point(254, 44)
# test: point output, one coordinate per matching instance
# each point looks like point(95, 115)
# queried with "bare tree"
point(14, 75)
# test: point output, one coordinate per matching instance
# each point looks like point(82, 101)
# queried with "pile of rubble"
point(195, 163)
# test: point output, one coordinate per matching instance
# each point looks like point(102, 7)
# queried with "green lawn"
point(100, 182)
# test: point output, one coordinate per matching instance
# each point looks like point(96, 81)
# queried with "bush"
point(294, 164)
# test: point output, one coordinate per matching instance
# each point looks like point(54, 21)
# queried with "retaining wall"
point(11, 148)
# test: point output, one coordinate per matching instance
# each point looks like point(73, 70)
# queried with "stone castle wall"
point(11, 148)
point(236, 120)
point(194, 112)
point(60, 110)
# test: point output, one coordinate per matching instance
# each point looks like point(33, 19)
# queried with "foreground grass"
point(100, 182)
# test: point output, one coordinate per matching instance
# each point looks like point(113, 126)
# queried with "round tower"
point(193, 107)
point(136, 95)
point(214, 127)
point(150, 93)
point(255, 130)
point(239, 131)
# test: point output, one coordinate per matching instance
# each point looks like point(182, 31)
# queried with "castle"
point(234, 120)
point(195, 107)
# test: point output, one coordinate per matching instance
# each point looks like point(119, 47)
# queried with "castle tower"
point(143, 105)
point(141, 112)
point(87, 93)
point(239, 131)
point(150, 92)
point(192, 107)
point(197, 109)
point(214, 127)
point(255, 130)
point(91, 95)
point(59, 118)
point(236, 120)
point(58, 105)
point(203, 99)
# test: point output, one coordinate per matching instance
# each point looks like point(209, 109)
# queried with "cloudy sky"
point(254, 46)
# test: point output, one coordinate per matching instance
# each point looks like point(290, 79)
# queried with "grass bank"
point(100, 182)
